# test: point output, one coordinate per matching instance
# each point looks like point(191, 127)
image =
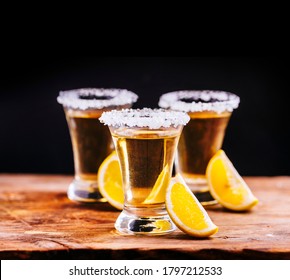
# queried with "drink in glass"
point(91, 141)
point(145, 141)
point(209, 112)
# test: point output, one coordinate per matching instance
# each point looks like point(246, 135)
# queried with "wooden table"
point(38, 221)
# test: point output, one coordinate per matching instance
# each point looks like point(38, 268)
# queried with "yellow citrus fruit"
point(186, 211)
point(110, 181)
point(227, 186)
point(157, 195)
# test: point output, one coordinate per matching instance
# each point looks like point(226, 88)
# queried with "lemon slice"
point(186, 211)
point(227, 186)
point(110, 181)
point(157, 195)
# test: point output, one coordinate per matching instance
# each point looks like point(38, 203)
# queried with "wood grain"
point(38, 221)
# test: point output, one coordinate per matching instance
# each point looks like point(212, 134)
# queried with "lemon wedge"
point(186, 211)
point(110, 181)
point(157, 195)
point(227, 186)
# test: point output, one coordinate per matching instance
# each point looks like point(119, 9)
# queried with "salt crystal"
point(95, 98)
point(200, 100)
point(151, 118)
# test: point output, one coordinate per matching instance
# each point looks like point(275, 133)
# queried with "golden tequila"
point(200, 140)
point(143, 156)
point(91, 142)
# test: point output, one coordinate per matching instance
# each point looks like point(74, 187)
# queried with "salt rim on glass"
point(83, 98)
point(199, 100)
point(146, 117)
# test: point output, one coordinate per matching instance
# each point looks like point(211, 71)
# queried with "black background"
point(34, 137)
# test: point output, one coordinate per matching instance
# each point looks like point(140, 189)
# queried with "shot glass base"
point(84, 192)
point(200, 189)
point(130, 223)
point(205, 198)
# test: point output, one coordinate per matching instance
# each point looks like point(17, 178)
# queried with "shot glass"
point(91, 141)
point(145, 141)
point(209, 112)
